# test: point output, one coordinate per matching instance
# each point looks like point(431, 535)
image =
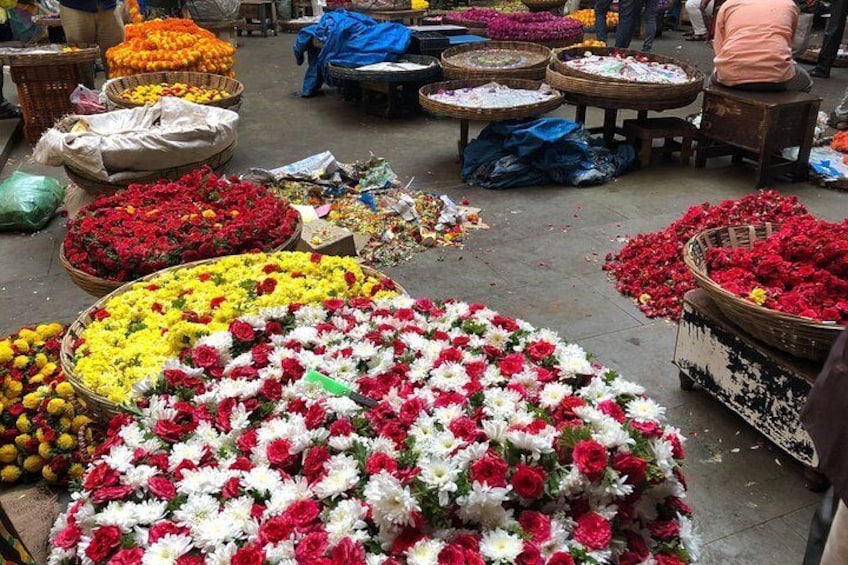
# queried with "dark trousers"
point(833, 34)
point(601, 9)
point(629, 17)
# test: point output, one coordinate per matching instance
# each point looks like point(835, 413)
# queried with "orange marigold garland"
point(135, 11)
point(840, 141)
point(174, 44)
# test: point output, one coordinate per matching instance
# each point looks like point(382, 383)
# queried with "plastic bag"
point(86, 101)
point(27, 202)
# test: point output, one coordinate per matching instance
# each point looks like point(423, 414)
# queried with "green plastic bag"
point(27, 202)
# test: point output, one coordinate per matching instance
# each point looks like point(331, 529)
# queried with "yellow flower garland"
point(150, 323)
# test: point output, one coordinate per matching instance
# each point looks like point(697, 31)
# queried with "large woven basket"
point(101, 406)
point(432, 71)
point(486, 114)
point(587, 84)
point(535, 70)
point(231, 86)
point(801, 337)
point(95, 186)
point(97, 286)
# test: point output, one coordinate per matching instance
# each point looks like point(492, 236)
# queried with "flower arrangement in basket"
point(123, 339)
point(149, 227)
point(45, 432)
point(475, 17)
point(536, 27)
point(445, 433)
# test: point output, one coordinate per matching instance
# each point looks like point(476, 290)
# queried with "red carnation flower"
point(204, 356)
point(248, 555)
point(536, 524)
point(529, 482)
point(593, 531)
point(539, 350)
point(491, 470)
point(127, 557)
point(635, 468)
point(103, 541)
point(591, 459)
point(242, 331)
point(162, 487)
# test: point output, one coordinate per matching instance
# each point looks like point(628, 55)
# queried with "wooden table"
point(264, 12)
point(413, 17)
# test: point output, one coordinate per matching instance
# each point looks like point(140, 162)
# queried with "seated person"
point(753, 46)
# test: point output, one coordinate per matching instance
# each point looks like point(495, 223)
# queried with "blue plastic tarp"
point(349, 39)
point(541, 151)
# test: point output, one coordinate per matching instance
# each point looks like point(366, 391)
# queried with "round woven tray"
point(82, 55)
point(232, 87)
point(432, 72)
point(97, 286)
point(100, 405)
point(486, 114)
point(96, 186)
point(619, 96)
point(811, 55)
point(537, 56)
point(543, 5)
point(801, 337)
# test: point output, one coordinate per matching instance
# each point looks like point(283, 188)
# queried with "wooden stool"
point(757, 126)
point(258, 15)
point(649, 129)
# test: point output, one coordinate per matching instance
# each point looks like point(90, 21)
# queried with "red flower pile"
point(475, 17)
point(148, 227)
point(801, 270)
point(650, 266)
point(535, 26)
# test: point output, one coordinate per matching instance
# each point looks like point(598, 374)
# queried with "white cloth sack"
point(128, 144)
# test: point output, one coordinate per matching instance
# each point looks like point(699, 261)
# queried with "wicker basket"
point(534, 70)
point(95, 186)
point(621, 96)
point(432, 72)
point(543, 5)
point(97, 404)
point(486, 114)
point(97, 286)
point(801, 337)
point(232, 87)
point(45, 83)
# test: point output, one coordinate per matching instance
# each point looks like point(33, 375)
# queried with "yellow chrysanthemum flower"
point(49, 475)
point(76, 471)
point(40, 360)
point(22, 439)
point(46, 331)
point(65, 390)
point(66, 442)
point(23, 424)
point(33, 463)
point(21, 345)
point(6, 351)
point(36, 379)
point(56, 406)
point(64, 424)
point(31, 401)
point(79, 422)
point(8, 453)
point(29, 336)
point(14, 389)
point(10, 474)
point(48, 369)
point(758, 295)
point(20, 362)
point(45, 450)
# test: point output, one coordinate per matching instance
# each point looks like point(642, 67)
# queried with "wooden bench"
point(642, 133)
point(258, 15)
point(757, 126)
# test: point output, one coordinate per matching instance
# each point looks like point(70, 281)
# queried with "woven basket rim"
point(113, 87)
point(695, 74)
point(66, 354)
point(517, 46)
point(700, 274)
point(487, 114)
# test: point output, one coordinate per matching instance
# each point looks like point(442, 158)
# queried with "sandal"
point(697, 38)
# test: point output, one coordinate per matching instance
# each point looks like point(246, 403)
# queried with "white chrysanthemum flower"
point(134, 438)
point(600, 556)
point(213, 532)
point(552, 394)
point(191, 450)
point(243, 360)
point(444, 443)
point(59, 556)
point(622, 387)
point(121, 514)
point(347, 519)
point(500, 546)
point(536, 443)
point(391, 502)
point(159, 408)
point(341, 406)
point(664, 454)
point(196, 508)
point(167, 550)
point(310, 315)
point(500, 403)
point(645, 410)
point(373, 559)
point(137, 477)
point(344, 443)
point(495, 430)
point(120, 458)
point(206, 480)
point(572, 483)
point(342, 475)
point(222, 555)
point(440, 474)
point(280, 552)
point(464, 457)
point(220, 341)
point(304, 334)
point(571, 359)
point(484, 505)
point(238, 513)
point(274, 312)
point(425, 552)
point(689, 537)
point(382, 444)
point(262, 480)
point(497, 337)
point(449, 377)
point(492, 377)
point(611, 435)
point(447, 414)
point(617, 486)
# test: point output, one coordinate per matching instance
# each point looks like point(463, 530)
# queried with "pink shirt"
point(753, 41)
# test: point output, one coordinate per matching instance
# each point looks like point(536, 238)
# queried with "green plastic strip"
point(328, 384)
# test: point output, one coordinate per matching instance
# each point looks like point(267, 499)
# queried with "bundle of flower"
point(475, 17)
point(174, 44)
point(587, 43)
point(801, 269)
point(535, 26)
point(135, 331)
point(587, 18)
point(41, 419)
point(489, 441)
point(149, 227)
point(650, 266)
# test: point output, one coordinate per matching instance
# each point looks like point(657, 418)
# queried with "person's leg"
point(110, 32)
point(836, 548)
point(601, 9)
point(650, 24)
point(80, 29)
point(801, 82)
point(699, 27)
point(628, 18)
point(832, 38)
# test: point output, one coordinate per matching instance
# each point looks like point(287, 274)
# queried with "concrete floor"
point(540, 261)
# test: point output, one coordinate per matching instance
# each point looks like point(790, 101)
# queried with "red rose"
point(529, 482)
point(511, 364)
point(348, 552)
point(665, 530)
point(350, 278)
point(380, 462)
point(272, 389)
point(560, 558)
point(593, 531)
point(267, 286)
point(191, 559)
point(315, 417)
point(162, 529)
point(531, 555)
point(127, 557)
point(539, 350)
point(204, 356)
point(69, 537)
point(111, 493)
point(452, 554)
point(162, 487)
point(662, 559)
point(311, 547)
point(464, 427)
point(635, 468)
point(242, 331)
point(303, 512)
point(276, 529)
point(248, 555)
point(508, 324)
point(313, 463)
point(247, 441)
point(103, 541)
point(231, 488)
point(169, 430)
point(612, 409)
point(278, 453)
point(649, 429)
point(591, 458)
point(341, 427)
point(491, 470)
point(101, 476)
point(536, 524)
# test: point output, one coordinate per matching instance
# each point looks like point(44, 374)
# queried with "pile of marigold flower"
point(650, 266)
point(174, 44)
point(587, 18)
point(41, 421)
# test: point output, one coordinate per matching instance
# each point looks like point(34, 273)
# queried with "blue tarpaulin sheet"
point(463, 39)
point(541, 151)
point(349, 39)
